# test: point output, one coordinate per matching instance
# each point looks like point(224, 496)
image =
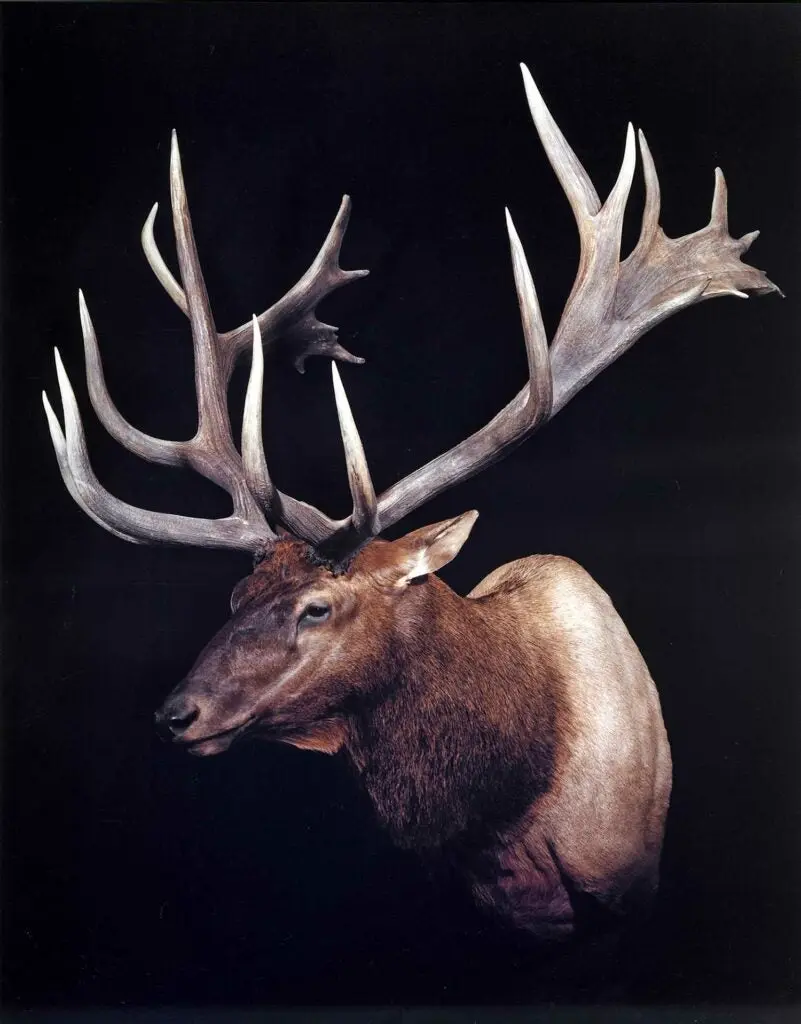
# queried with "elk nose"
point(175, 717)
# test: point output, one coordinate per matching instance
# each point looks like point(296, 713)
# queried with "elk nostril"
point(174, 721)
point(180, 721)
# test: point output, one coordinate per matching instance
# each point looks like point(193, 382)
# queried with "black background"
point(135, 875)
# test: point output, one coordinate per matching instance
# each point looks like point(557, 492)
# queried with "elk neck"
point(457, 738)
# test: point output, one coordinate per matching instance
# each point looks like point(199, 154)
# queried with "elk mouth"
point(216, 742)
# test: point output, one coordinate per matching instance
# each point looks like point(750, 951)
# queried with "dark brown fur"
point(447, 749)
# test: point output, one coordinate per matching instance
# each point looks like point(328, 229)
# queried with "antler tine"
point(124, 520)
point(610, 305)
point(540, 379)
point(516, 421)
point(213, 421)
point(292, 316)
point(653, 197)
point(575, 181)
point(155, 449)
point(301, 519)
point(365, 519)
point(719, 217)
point(60, 446)
point(157, 264)
point(253, 459)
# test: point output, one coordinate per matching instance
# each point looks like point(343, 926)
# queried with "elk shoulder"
point(613, 763)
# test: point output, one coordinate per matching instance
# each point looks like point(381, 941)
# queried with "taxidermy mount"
point(515, 731)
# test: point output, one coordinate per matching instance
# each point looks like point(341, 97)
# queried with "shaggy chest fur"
point(455, 747)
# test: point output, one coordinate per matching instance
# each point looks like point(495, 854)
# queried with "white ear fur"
point(428, 549)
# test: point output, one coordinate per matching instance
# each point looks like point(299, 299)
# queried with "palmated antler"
point(611, 305)
point(211, 452)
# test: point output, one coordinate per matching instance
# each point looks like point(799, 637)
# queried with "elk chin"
point(206, 748)
point(217, 743)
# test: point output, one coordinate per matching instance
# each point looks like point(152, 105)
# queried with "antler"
point(211, 451)
point(612, 304)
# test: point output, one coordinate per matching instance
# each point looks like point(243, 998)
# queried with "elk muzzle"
point(181, 719)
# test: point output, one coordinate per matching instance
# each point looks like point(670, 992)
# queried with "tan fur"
point(602, 820)
point(323, 737)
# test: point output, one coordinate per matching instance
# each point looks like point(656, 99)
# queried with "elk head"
point(314, 622)
point(307, 641)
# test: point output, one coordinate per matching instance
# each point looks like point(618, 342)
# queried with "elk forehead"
point(289, 566)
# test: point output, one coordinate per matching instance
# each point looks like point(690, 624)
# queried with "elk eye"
point(314, 613)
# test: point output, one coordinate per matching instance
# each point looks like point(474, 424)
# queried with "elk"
point(515, 731)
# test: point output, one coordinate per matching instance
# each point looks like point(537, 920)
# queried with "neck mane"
point(457, 740)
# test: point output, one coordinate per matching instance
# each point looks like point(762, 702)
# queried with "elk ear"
point(239, 595)
point(429, 548)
